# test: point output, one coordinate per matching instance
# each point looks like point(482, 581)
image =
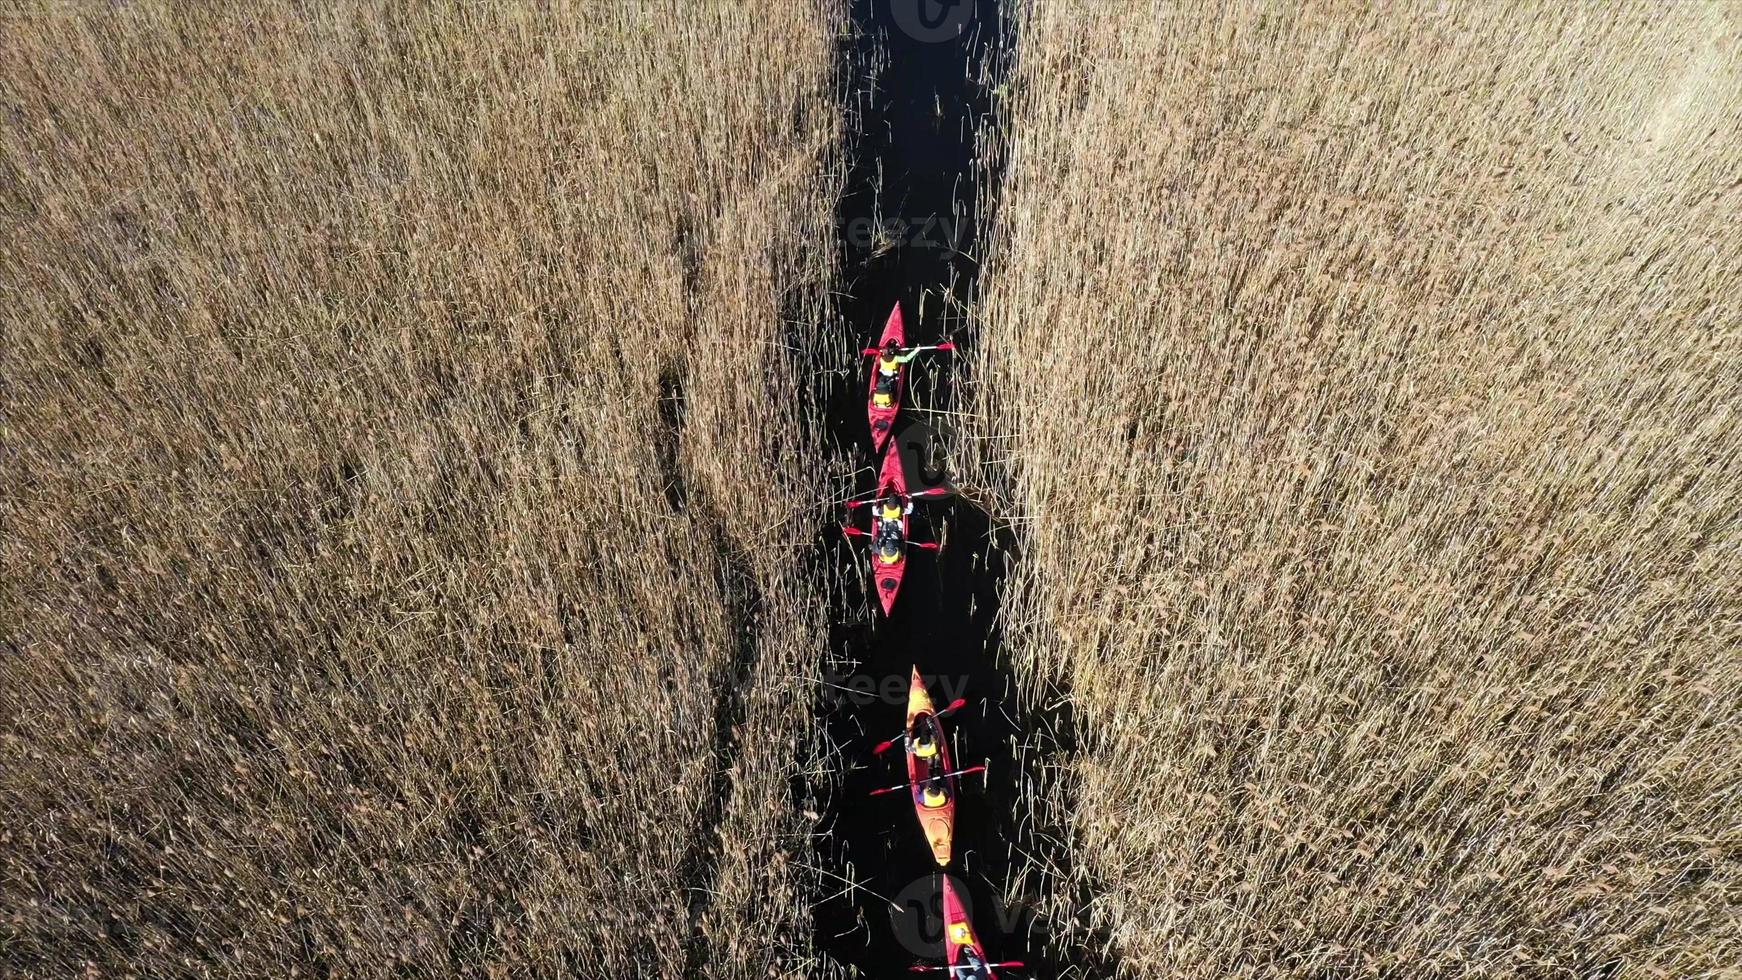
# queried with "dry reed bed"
point(363, 609)
point(1366, 383)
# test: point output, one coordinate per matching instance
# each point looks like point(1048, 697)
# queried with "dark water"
point(914, 152)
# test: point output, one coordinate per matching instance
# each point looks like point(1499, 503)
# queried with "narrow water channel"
point(910, 235)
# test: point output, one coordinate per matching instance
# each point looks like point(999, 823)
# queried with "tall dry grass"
point(1366, 381)
point(397, 424)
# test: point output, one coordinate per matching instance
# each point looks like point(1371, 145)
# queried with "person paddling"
point(889, 363)
point(936, 791)
point(922, 740)
point(889, 549)
point(889, 530)
point(972, 966)
point(891, 509)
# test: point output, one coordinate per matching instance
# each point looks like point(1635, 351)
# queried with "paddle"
point(868, 501)
point(883, 747)
point(1012, 964)
point(947, 775)
point(946, 345)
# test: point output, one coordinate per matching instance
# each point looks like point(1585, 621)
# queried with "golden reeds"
point(399, 450)
point(1367, 382)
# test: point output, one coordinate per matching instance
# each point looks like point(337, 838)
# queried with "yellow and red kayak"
point(937, 822)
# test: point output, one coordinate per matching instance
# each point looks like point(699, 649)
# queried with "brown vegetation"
point(398, 441)
point(1367, 386)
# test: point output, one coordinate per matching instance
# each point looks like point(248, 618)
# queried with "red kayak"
point(928, 753)
point(892, 481)
point(883, 416)
point(962, 949)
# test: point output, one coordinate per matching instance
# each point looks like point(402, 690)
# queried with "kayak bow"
point(937, 823)
point(883, 419)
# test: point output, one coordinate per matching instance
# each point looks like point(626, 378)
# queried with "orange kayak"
point(926, 757)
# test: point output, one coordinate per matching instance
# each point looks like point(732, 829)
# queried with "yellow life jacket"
point(887, 365)
point(889, 559)
point(960, 934)
point(925, 750)
point(882, 400)
point(891, 513)
point(933, 797)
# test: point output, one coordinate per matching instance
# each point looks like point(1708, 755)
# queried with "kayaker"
point(889, 549)
point(889, 362)
point(934, 793)
point(973, 967)
point(887, 530)
point(924, 744)
point(891, 509)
